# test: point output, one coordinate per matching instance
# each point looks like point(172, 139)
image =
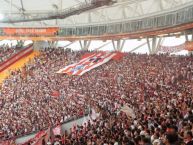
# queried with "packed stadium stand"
point(69, 86)
point(6, 52)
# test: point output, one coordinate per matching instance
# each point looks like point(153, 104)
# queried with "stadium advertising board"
point(30, 31)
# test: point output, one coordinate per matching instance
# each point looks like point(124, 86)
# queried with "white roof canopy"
point(119, 11)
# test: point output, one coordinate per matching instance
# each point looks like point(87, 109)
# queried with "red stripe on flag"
point(87, 63)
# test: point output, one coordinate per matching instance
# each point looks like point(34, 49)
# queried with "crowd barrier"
point(65, 127)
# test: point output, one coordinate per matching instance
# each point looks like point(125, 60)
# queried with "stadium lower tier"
point(17, 65)
point(140, 99)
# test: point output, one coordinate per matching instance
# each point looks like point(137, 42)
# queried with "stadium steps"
point(17, 65)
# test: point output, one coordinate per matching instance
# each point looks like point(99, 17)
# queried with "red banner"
point(30, 31)
point(55, 93)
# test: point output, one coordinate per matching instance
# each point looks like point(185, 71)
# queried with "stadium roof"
point(118, 11)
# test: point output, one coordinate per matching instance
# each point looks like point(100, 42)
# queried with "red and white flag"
point(88, 63)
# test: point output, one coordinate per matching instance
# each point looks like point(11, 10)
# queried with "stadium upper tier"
point(153, 23)
point(178, 19)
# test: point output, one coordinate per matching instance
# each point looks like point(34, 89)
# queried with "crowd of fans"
point(159, 88)
point(6, 52)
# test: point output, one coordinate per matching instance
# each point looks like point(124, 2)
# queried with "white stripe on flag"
point(69, 67)
point(85, 62)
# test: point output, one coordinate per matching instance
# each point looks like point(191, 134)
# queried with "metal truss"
point(78, 9)
point(119, 11)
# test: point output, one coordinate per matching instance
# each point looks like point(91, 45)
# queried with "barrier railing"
point(20, 139)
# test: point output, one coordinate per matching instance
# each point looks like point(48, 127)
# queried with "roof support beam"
point(11, 2)
point(160, 3)
point(118, 44)
point(154, 43)
point(124, 16)
point(148, 45)
point(85, 44)
point(19, 8)
point(22, 7)
point(186, 36)
point(12, 5)
point(52, 44)
point(154, 46)
point(160, 41)
point(192, 36)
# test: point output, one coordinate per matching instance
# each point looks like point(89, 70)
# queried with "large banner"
point(30, 31)
point(171, 49)
point(88, 63)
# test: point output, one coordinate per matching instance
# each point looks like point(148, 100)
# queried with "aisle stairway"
point(17, 65)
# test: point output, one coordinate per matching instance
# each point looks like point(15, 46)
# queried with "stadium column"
point(154, 46)
point(191, 52)
point(20, 43)
point(85, 44)
point(187, 39)
point(52, 44)
point(118, 44)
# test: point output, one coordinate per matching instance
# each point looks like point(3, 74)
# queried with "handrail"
point(175, 18)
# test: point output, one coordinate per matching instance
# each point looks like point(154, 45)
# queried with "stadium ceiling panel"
point(119, 11)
